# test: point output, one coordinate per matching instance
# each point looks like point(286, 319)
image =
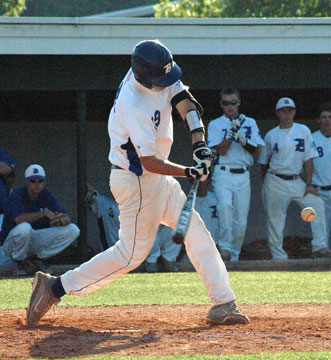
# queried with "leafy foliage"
point(238, 8)
point(77, 8)
point(11, 7)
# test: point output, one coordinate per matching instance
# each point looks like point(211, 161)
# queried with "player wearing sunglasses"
point(235, 138)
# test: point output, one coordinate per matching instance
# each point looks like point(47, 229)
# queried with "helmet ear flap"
point(141, 71)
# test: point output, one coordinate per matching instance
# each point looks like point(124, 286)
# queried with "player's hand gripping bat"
point(186, 213)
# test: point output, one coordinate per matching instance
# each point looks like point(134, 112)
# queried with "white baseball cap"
point(35, 171)
point(285, 102)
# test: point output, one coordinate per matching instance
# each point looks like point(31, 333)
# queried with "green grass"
point(186, 288)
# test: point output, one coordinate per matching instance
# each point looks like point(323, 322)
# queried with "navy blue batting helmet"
point(152, 63)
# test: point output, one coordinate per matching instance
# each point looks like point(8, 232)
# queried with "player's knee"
point(224, 206)
point(23, 231)
point(73, 231)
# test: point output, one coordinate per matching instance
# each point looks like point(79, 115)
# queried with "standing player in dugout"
point(141, 132)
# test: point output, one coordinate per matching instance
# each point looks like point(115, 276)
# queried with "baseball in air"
point(308, 214)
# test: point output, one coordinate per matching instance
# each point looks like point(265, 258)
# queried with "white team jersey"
point(287, 149)
point(236, 155)
point(322, 164)
point(145, 114)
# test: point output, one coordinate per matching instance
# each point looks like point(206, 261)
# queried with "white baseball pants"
point(326, 197)
point(23, 241)
point(277, 194)
point(233, 193)
point(144, 203)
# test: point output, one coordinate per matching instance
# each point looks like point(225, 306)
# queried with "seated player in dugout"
point(35, 226)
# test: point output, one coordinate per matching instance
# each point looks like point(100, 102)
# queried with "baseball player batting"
point(141, 133)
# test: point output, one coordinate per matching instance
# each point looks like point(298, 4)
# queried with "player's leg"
point(17, 243)
point(223, 188)
point(318, 225)
point(200, 248)
point(6, 263)
point(151, 265)
point(326, 197)
point(51, 241)
point(275, 199)
point(107, 220)
point(241, 201)
point(207, 261)
point(169, 249)
point(19, 247)
point(141, 210)
point(140, 204)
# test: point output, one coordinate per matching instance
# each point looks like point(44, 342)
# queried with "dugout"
point(59, 77)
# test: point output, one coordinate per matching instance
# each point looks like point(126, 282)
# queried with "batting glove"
point(202, 154)
point(89, 198)
point(247, 144)
point(240, 139)
point(237, 122)
point(231, 135)
point(198, 171)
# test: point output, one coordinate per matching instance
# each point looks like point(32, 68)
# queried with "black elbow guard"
point(185, 94)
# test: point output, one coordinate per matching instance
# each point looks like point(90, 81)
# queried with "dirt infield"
point(164, 330)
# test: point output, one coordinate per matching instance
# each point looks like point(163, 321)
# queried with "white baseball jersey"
point(236, 156)
point(141, 123)
point(206, 207)
point(287, 149)
point(322, 168)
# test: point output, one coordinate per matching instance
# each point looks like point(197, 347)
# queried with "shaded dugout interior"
point(54, 111)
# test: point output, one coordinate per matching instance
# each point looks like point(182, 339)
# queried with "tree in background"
point(11, 7)
point(240, 9)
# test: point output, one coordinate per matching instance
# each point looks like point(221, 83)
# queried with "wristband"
point(309, 184)
point(199, 144)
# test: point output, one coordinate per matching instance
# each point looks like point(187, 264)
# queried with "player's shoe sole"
point(227, 314)
point(42, 298)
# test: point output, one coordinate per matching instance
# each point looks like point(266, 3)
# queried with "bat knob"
point(178, 239)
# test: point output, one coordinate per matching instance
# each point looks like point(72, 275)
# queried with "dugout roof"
point(63, 69)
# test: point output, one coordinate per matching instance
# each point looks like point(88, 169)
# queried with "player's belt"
point(328, 187)
point(116, 167)
point(233, 170)
point(286, 177)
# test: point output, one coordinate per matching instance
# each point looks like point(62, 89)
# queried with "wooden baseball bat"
point(186, 213)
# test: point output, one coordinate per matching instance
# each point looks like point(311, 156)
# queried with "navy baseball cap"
point(35, 171)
